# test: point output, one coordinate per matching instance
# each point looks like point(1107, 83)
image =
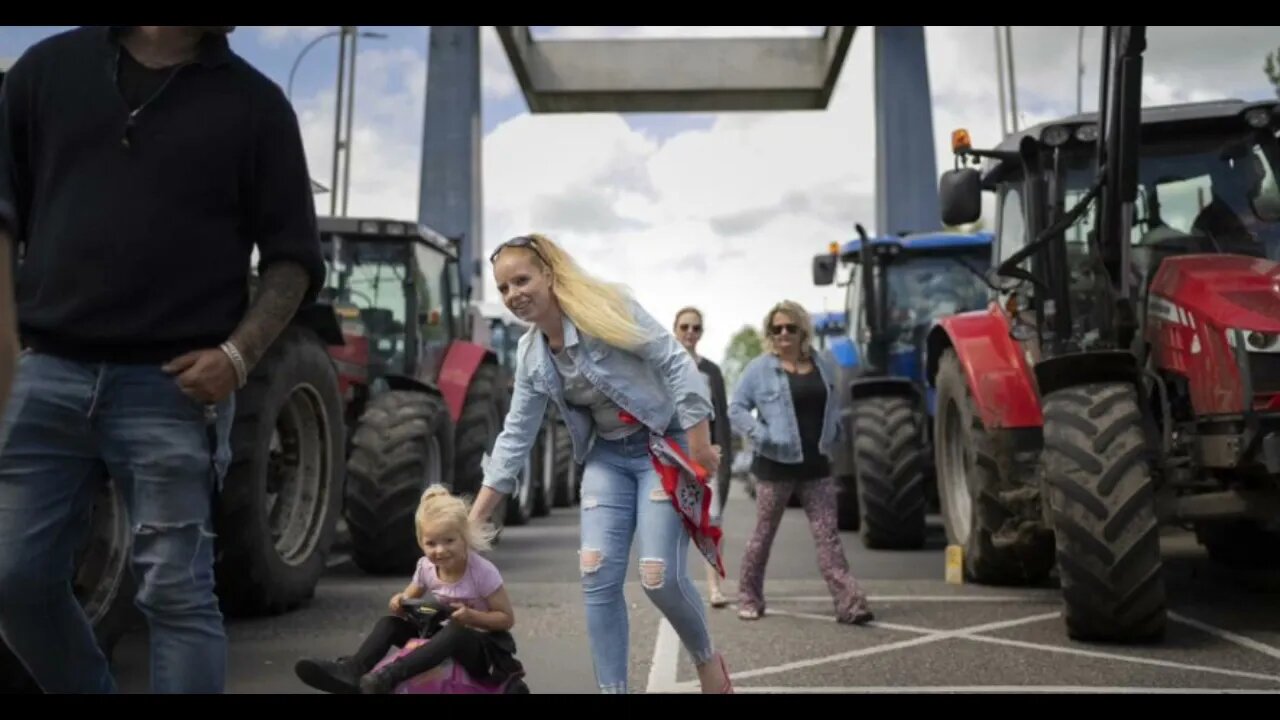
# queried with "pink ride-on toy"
point(447, 678)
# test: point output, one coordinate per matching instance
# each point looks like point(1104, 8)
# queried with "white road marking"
point(1055, 689)
point(666, 656)
point(932, 637)
point(1227, 635)
point(1123, 658)
point(1046, 598)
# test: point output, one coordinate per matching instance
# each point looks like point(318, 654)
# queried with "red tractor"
point(1130, 376)
point(424, 403)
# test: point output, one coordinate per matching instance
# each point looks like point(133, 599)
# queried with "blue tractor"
point(897, 288)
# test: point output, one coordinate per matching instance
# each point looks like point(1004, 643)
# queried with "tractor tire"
point(403, 444)
point(848, 510)
point(562, 487)
point(483, 410)
point(521, 503)
point(103, 584)
point(889, 459)
point(987, 508)
point(278, 511)
point(1101, 494)
point(544, 454)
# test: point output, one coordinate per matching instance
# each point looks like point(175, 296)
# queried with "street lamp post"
point(341, 145)
point(1080, 71)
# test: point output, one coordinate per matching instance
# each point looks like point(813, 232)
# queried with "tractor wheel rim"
point(299, 472)
point(960, 505)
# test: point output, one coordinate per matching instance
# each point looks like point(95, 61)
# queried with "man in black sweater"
point(139, 167)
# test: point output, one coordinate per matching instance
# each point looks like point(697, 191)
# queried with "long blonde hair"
point(800, 316)
point(598, 308)
point(439, 507)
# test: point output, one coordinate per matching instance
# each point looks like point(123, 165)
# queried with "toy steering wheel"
point(426, 613)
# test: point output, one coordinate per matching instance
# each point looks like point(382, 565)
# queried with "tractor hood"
point(1229, 291)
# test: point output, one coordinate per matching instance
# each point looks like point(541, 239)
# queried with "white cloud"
point(277, 35)
point(611, 32)
point(496, 78)
point(729, 217)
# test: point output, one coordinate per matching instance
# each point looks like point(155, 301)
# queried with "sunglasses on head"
point(524, 241)
point(687, 327)
point(789, 328)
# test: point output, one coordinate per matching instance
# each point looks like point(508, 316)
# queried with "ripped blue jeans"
point(68, 427)
point(622, 496)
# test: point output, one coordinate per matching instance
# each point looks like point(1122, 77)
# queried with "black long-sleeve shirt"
point(721, 432)
point(137, 199)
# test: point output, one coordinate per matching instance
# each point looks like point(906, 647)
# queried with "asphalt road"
point(928, 636)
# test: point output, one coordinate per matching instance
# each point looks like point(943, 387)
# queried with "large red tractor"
point(1129, 376)
point(424, 403)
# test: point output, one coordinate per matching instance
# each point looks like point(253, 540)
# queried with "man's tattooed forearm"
point(280, 292)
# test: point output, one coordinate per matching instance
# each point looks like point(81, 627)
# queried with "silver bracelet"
point(237, 361)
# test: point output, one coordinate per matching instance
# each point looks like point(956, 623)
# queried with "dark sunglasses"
point(686, 328)
point(523, 241)
point(790, 328)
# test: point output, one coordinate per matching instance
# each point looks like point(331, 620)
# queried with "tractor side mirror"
point(824, 269)
point(960, 193)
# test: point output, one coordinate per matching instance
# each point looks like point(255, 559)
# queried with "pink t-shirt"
point(480, 580)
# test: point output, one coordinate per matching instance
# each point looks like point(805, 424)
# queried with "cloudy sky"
point(723, 211)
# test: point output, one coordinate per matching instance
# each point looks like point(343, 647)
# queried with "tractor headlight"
point(1257, 118)
point(1087, 133)
point(1056, 135)
point(1255, 341)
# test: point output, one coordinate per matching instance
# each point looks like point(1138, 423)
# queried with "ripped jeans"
point(622, 496)
point(69, 426)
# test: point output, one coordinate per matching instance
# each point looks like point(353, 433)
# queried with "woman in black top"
point(796, 425)
point(688, 330)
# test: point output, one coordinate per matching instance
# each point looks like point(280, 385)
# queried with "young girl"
point(452, 569)
point(630, 394)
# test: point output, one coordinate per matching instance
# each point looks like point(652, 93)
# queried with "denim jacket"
point(659, 384)
point(775, 433)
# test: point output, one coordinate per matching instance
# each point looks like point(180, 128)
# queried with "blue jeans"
point(622, 496)
point(70, 426)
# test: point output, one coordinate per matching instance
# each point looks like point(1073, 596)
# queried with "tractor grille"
point(1264, 372)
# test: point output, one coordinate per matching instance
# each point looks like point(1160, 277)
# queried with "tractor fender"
point(1096, 366)
point(461, 361)
point(1000, 380)
point(406, 383)
point(322, 320)
point(883, 386)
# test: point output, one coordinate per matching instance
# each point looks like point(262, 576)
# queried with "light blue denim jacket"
point(775, 433)
point(659, 384)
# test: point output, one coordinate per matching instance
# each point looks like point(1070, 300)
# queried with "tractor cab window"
point(458, 306)
point(370, 283)
point(1011, 232)
point(925, 288)
point(432, 295)
point(853, 305)
point(1210, 194)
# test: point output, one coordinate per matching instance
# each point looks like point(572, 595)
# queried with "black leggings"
point(464, 645)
